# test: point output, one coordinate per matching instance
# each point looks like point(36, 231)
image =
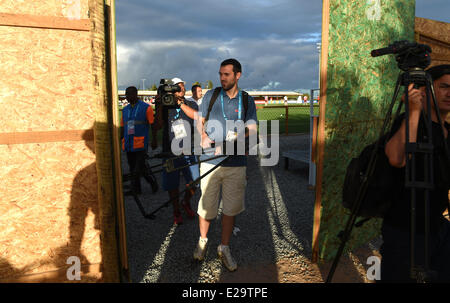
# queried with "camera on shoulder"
point(166, 91)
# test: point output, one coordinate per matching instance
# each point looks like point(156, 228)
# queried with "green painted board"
point(359, 91)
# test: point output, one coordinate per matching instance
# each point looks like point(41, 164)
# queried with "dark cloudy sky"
point(275, 40)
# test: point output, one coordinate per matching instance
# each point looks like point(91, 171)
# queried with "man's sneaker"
point(177, 219)
point(200, 250)
point(225, 255)
point(190, 213)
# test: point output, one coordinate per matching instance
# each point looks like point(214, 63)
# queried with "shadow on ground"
point(272, 243)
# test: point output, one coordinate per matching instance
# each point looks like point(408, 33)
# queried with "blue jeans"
point(172, 180)
point(395, 252)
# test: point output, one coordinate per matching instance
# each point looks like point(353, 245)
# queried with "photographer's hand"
point(395, 147)
point(180, 100)
point(189, 111)
point(206, 141)
point(416, 97)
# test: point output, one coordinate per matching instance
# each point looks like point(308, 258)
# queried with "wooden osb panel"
point(49, 207)
point(437, 35)
point(358, 92)
point(77, 9)
point(49, 82)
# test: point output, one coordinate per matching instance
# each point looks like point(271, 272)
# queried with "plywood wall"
point(76, 9)
point(356, 90)
point(48, 80)
point(49, 207)
point(436, 34)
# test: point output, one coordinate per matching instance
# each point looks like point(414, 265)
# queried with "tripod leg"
point(150, 178)
point(191, 185)
point(420, 272)
point(141, 208)
point(345, 237)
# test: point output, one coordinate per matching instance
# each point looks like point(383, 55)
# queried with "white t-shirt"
point(199, 101)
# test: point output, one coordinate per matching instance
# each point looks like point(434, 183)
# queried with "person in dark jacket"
point(395, 250)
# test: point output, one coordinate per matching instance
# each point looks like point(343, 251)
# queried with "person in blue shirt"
point(137, 118)
point(179, 126)
point(230, 177)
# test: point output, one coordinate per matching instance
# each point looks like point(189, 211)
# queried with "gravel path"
point(277, 225)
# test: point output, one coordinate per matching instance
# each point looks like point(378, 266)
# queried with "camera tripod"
point(169, 166)
point(190, 186)
point(415, 74)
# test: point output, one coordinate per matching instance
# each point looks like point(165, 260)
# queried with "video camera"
point(166, 90)
point(410, 56)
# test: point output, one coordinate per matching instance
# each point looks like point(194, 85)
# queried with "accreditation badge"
point(179, 130)
point(231, 136)
point(130, 127)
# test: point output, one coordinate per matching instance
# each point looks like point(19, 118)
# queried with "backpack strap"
point(245, 101)
point(214, 98)
point(211, 102)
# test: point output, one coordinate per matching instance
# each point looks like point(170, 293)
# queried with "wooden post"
point(321, 128)
point(114, 119)
point(104, 147)
point(314, 140)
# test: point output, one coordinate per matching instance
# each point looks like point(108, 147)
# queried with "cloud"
point(161, 39)
point(271, 86)
point(291, 64)
point(275, 40)
point(214, 19)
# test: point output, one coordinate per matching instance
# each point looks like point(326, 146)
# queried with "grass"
point(298, 119)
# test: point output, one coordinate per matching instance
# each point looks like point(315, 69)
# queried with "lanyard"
point(178, 114)
point(135, 113)
point(240, 104)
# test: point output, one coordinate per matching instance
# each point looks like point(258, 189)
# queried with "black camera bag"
point(381, 186)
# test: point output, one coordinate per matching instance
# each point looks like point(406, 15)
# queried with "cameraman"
point(395, 251)
point(178, 118)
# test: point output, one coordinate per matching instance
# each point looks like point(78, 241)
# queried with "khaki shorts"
point(233, 182)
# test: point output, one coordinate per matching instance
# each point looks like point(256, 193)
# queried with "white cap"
point(177, 80)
